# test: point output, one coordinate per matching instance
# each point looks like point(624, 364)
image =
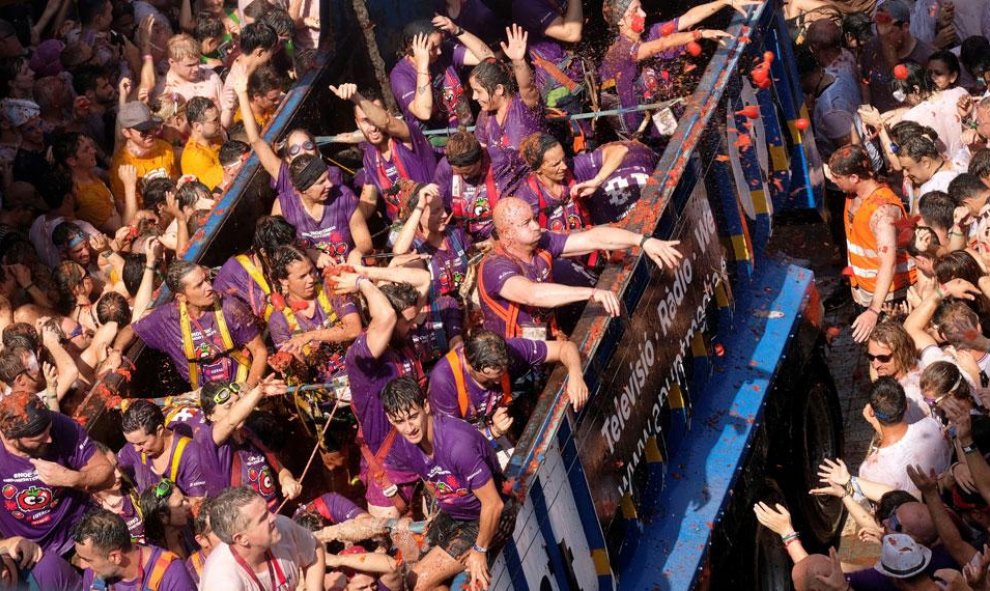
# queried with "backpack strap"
point(462, 396)
point(180, 448)
point(164, 560)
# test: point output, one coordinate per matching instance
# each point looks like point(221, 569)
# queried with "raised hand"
point(421, 49)
point(777, 519)
point(517, 37)
point(346, 91)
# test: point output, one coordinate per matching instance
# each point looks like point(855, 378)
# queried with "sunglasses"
point(147, 133)
point(881, 358)
point(296, 149)
point(224, 394)
point(163, 489)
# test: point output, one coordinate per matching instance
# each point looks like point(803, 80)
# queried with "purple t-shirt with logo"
point(520, 122)
point(334, 507)
point(636, 81)
point(462, 462)
point(254, 470)
point(524, 355)
point(331, 360)
point(191, 477)
point(469, 199)
point(51, 573)
point(232, 280)
point(417, 162)
point(161, 330)
point(476, 18)
point(497, 269)
point(623, 188)
point(176, 576)
point(561, 215)
point(444, 321)
point(447, 265)
point(332, 232)
point(448, 92)
point(32, 509)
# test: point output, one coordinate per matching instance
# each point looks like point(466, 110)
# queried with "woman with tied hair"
point(232, 454)
point(470, 182)
point(425, 81)
point(247, 276)
point(309, 321)
point(168, 518)
point(511, 106)
point(171, 109)
point(324, 212)
point(425, 230)
point(76, 294)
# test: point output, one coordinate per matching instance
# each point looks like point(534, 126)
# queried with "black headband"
point(308, 176)
point(35, 420)
point(468, 158)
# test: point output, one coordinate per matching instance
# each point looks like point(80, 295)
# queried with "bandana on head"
point(23, 415)
point(312, 173)
point(19, 111)
point(614, 10)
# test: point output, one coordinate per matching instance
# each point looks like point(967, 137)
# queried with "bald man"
point(515, 282)
point(805, 574)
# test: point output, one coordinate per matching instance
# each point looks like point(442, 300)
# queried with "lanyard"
point(383, 180)
point(275, 574)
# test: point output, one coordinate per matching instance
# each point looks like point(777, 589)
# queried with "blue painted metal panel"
point(675, 543)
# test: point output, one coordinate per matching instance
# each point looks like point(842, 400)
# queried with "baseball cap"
point(137, 115)
point(901, 557)
point(897, 10)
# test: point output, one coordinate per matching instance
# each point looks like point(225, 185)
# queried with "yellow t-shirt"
point(94, 203)
point(160, 162)
point(203, 161)
point(262, 120)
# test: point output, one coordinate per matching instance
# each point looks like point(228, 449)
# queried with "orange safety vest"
point(510, 314)
point(864, 258)
point(463, 400)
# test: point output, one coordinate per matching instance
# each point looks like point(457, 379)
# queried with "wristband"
point(460, 31)
point(874, 311)
point(357, 282)
point(148, 268)
point(642, 241)
point(970, 449)
point(855, 484)
point(791, 536)
point(147, 57)
point(478, 548)
point(938, 291)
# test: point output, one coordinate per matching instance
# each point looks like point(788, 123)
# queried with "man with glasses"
point(103, 546)
point(201, 156)
point(891, 354)
point(48, 465)
point(151, 156)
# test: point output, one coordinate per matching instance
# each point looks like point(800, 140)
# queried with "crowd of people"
point(901, 113)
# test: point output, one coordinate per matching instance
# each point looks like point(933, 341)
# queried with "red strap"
point(321, 507)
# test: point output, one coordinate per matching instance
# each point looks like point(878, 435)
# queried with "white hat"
point(19, 111)
point(901, 557)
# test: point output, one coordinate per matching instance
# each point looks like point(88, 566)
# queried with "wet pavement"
point(811, 243)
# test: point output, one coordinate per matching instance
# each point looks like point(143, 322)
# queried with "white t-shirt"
point(939, 182)
point(940, 114)
point(294, 552)
point(917, 408)
point(924, 445)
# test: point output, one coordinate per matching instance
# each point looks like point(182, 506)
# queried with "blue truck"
point(708, 393)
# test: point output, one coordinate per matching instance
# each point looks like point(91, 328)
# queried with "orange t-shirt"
point(203, 162)
point(160, 162)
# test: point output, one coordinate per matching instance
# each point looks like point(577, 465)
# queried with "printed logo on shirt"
point(33, 503)
point(619, 190)
point(262, 481)
point(444, 486)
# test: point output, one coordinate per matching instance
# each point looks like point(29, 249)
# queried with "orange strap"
point(510, 314)
point(158, 570)
point(463, 401)
point(559, 76)
point(376, 466)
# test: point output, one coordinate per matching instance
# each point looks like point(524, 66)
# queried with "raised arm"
point(245, 405)
point(268, 158)
point(383, 317)
point(515, 50)
point(662, 252)
point(699, 13)
point(477, 50)
point(379, 117)
point(404, 241)
point(422, 104)
point(651, 48)
point(960, 550)
point(569, 27)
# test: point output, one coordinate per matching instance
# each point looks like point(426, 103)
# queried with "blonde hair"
point(168, 105)
point(183, 46)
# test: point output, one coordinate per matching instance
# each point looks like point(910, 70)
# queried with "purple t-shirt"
point(418, 162)
point(472, 200)
point(520, 122)
point(176, 576)
point(332, 232)
point(462, 462)
point(524, 355)
point(448, 92)
point(497, 268)
point(192, 569)
point(252, 467)
point(32, 509)
point(368, 376)
point(476, 18)
point(447, 265)
point(444, 321)
point(331, 362)
point(561, 215)
point(191, 477)
point(232, 280)
point(535, 16)
point(622, 189)
point(333, 507)
point(161, 330)
point(51, 573)
point(636, 81)
point(135, 522)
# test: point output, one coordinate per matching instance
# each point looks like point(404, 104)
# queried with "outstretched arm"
point(379, 117)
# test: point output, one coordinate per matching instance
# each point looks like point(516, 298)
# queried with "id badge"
point(534, 333)
point(342, 388)
point(390, 491)
point(665, 122)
